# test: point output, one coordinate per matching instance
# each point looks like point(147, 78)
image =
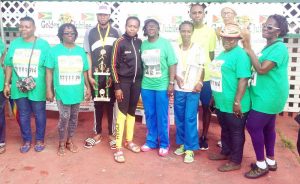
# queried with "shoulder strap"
point(31, 56)
point(29, 60)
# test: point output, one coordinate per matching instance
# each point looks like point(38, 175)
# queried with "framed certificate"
point(191, 76)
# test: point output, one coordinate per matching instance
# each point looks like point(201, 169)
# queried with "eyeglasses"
point(69, 33)
point(269, 27)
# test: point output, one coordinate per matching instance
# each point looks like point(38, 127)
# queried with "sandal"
point(90, 142)
point(112, 144)
point(2, 148)
point(132, 147)
point(119, 157)
point(39, 146)
point(71, 147)
point(25, 148)
point(61, 150)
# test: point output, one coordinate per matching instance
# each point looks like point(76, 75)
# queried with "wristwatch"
point(171, 82)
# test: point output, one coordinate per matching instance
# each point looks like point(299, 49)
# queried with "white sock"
point(270, 162)
point(261, 164)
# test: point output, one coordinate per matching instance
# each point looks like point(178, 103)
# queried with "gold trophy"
point(102, 72)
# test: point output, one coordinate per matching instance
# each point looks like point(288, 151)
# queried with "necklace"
point(103, 40)
point(184, 54)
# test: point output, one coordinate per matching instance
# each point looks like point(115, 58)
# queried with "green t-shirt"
point(157, 57)
point(226, 70)
point(269, 91)
point(2, 47)
point(68, 67)
point(18, 58)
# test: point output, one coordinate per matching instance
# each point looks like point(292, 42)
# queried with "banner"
point(83, 15)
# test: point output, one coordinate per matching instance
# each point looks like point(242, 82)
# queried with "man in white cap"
point(98, 44)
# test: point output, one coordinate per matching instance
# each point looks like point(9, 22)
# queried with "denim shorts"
point(205, 94)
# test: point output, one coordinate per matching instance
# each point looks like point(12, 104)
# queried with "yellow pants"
point(120, 124)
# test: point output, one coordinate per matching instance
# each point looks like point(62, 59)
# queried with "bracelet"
point(171, 83)
point(236, 103)
point(201, 83)
point(6, 84)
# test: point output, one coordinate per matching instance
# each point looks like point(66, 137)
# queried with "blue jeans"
point(186, 109)
point(2, 118)
point(38, 108)
point(156, 105)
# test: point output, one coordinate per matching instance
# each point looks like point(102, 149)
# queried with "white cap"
point(103, 9)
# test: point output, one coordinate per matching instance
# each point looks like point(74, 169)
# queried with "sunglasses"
point(269, 27)
point(69, 33)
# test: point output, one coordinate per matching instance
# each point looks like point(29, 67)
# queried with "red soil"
point(96, 165)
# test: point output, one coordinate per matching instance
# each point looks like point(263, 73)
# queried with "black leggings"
point(99, 110)
point(131, 93)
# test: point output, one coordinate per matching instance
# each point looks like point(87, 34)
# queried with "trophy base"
point(102, 73)
point(102, 99)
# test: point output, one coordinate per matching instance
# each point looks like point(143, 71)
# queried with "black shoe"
point(256, 172)
point(270, 167)
point(203, 145)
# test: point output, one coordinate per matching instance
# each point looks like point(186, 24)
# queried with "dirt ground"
point(96, 165)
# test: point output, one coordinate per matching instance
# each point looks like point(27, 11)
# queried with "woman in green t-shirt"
point(268, 92)
point(230, 72)
point(25, 57)
point(159, 64)
point(67, 66)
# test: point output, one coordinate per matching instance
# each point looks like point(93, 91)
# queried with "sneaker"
point(256, 172)
point(180, 150)
point(163, 151)
point(189, 156)
point(203, 145)
point(145, 148)
point(230, 166)
point(272, 167)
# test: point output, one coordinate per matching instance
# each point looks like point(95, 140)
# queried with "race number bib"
point(70, 69)
point(151, 60)
point(216, 75)
point(21, 60)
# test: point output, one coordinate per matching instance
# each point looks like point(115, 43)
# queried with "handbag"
point(26, 84)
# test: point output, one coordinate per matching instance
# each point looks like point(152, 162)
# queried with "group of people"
point(244, 87)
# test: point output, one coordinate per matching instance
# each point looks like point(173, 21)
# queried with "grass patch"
point(287, 143)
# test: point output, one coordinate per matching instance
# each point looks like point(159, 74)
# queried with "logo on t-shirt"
point(151, 60)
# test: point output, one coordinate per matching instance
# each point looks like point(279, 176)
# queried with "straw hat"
point(231, 31)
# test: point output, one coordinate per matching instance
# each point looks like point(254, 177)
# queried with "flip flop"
point(90, 142)
point(112, 144)
point(119, 157)
point(2, 148)
point(132, 147)
point(71, 147)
